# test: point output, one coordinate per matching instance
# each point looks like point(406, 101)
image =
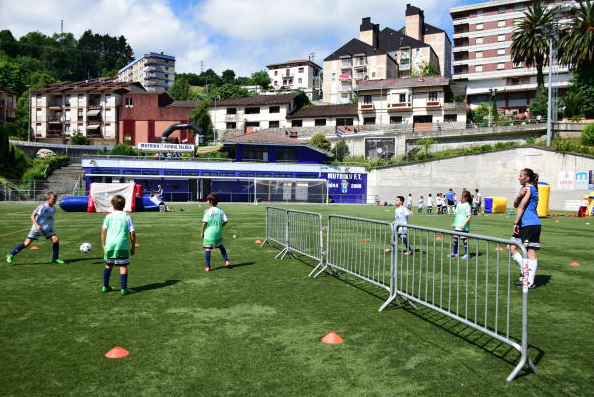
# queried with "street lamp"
point(551, 32)
point(29, 119)
point(493, 93)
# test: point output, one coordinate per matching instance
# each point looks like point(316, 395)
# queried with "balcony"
point(399, 106)
point(345, 88)
point(54, 105)
point(346, 65)
point(360, 76)
point(454, 106)
point(359, 65)
point(404, 63)
point(54, 131)
point(367, 107)
point(344, 77)
point(54, 119)
point(433, 103)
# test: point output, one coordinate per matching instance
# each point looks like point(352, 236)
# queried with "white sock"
point(532, 266)
point(518, 259)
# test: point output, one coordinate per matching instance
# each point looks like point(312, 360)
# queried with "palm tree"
point(529, 44)
point(578, 42)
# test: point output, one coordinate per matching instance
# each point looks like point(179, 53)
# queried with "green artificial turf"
point(255, 330)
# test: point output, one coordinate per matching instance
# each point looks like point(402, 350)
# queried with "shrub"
point(41, 168)
point(122, 149)
point(588, 134)
point(320, 141)
point(78, 139)
point(530, 141)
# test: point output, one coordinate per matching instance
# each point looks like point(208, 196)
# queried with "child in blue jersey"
point(401, 213)
point(527, 225)
point(43, 225)
point(462, 223)
point(212, 230)
point(118, 240)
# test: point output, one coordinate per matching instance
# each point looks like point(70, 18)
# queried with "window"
point(299, 80)
point(367, 99)
point(479, 40)
point(450, 118)
point(255, 110)
point(297, 123)
point(290, 81)
point(231, 110)
point(417, 52)
point(395, 119)
point(479, 54)
point(501, 51)
point(254, 153)
point(518, 65)
point(320, 122)
point(479, 26)
point(276, 72)
point(479, 12)
point(231, 125)
point(129, 102)
point(333, 76)
point(275, 82)
point(274, 109)
point(252, 123)
point(501, 37)
point(401, 98)
point(372, 74)
point(166, 76)
point(478, 68)
point(501, 10)
point(300, 70)
point(274, 124)
point(288, 72)
point(518, 7)
point(344, 121)
point(286, 154)
point(518, 21)
point(369, 120)
point(500, 24)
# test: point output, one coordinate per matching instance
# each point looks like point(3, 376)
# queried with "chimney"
point(415, 21)
point(368, 32)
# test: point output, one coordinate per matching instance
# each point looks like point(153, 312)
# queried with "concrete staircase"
point(63, 181)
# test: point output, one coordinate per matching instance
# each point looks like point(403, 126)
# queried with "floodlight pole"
point(550, 95)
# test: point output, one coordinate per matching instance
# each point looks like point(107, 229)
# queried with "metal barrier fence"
point(467, 277)
point(296, 231)
point(35, 190)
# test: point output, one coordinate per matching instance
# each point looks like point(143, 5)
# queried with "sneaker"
point(519, 281)
point(228, 265)
point(465, 256)
point(452, 255)
point(106, 289)
point(58, 261)
point(207, 269)
point(409, 252)
point(10, 258)
point(124, 292)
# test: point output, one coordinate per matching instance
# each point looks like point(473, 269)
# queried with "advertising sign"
point(581, 180)
point(347, 187)
point(566, 181)
point(165, 147)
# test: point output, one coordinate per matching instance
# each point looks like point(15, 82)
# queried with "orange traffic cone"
point(438, 238)
point(34, 247)
point(575, 264)
point(499, 249)
point(117, 352)
point(136, 245)
point(258, 242)
point(366, 240)
point(388, 250)
point(332, 338)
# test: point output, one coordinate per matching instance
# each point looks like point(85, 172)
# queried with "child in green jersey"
point(212, 230)
point(462, 223)
point(118, 240)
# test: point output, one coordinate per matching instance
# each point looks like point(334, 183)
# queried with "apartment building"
point(482, 59)
point(252, 113)
point(8, 101)
point(299, 74)
point(385, 54)
point(424, 102)
point(155, 71)
point(89, 107)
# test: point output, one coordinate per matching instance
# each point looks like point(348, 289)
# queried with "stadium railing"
point(276, 228)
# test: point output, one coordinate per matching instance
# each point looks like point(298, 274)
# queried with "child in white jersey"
point(429, 204)
point(401, 214)
point(420, 205)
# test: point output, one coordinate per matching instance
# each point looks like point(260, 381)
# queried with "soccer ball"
point(85, 248)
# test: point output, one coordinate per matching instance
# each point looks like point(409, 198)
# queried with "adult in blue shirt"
point(450, 200)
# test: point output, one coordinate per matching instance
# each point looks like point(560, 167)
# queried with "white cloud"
point(243, 35)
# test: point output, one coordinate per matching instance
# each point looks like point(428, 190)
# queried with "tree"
point(340, 150)
point(320, 141)
point(199, 116)
point(529, 45)
point(577, 43)
point(582, 88)
point(480, 114)
point(227, 91)
point(540, 105)
point(427, 68)
point(228, 77)
point(210, 78)
point(301, 100)
point(242, 81)
point(181, 90)
point(261, 78)
point(8, 44)
point(11, 75)
point(425, 143)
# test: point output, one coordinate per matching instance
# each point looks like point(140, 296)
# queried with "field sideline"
point(255, 330)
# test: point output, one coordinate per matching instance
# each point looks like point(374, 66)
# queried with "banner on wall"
point(347, 187)
point(165, 147)
point(566, 180)
point(581, 180)
point(591, 180)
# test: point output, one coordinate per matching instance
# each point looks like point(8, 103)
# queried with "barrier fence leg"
point(393, 271)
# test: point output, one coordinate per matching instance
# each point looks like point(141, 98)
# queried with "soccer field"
point(255, 330)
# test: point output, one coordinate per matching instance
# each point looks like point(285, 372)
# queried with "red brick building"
point(144, 116)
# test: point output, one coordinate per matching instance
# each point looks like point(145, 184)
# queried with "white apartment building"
point(482, 59)
point(425, 103)
point(155, 71)
point(252, 113)
point(90, 108)
point(385, 54)
point(299, 74)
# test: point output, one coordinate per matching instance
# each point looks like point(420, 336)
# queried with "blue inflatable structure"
point(80, 204)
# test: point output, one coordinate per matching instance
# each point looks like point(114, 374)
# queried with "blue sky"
point(243, 35)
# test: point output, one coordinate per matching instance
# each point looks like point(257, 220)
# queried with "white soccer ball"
point(85, 248)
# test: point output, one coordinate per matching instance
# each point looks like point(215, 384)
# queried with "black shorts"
point(529, 237)
point(450, 202)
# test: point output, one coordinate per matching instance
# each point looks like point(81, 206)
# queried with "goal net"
point(291, 191)
point(100, 195)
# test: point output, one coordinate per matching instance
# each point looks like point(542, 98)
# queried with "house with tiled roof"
point(325, 115)
point(89, 107)
point(297, 74)
point(385, 54)
point(8, 100)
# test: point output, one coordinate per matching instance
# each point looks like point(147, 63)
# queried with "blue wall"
point(305, 155)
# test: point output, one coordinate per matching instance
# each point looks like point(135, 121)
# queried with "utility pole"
point(550, 95)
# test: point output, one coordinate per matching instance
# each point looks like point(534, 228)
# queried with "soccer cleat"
point(409, 252)
point(10, 258)
point(452, 255)
point(519, 281)
point(465, 256)
point(58, 261)
point(124, 292)
point(106, 289)
point(228, 265)
point(207, 269)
